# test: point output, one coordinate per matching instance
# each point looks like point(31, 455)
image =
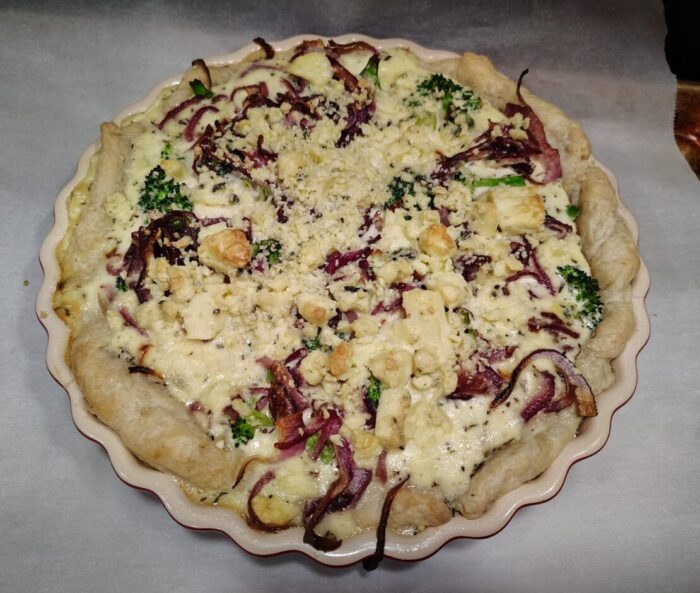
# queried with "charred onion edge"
point(142, 370)
point(207, 75)
point(522, 76)
point(344, 48)
point(244, 467)
point(343, 456)
point(371, 562)
point(265, 46)
point(585, 401)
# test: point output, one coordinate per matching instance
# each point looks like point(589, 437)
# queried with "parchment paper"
point(627, 519)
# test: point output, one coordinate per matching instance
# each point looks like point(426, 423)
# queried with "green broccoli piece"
point(374, 391)
point(467, 320)
point(199, 89)
point(454, 99)
point(572, 212)
point(313, 344)
point(244, 429)
point(587, 293)
point(121, 284)
point(167, 150)
point(162, 193)
point(270, 248)
point(327, 453)
point(371, 71)
point(398, 188)
point(509, 180)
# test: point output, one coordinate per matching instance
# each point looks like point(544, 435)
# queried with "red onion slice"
point(343, 75)
point(188, 134)
point(559, 228)
point(318, 508)
point(371, 562)
point(381, 467)
point(483, 382)
point(332, 426)
point(265, 46)
point(549, 156)
point(500, 354)
point(551, 324)
point(585, 401)
point(336, 260)
point(541, 398)
point(526, 254)
point(339, 49)
point(290, 430)
point(179, 108)
point(307, 46)
point(253, 520)
point(130, 321)
point(250, 89)
point(469, 265)
point(285, 398)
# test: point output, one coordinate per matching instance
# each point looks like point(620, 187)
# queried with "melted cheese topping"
point(410, 314)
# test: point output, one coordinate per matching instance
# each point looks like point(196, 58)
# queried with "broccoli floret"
point(199, 89)
point(398, 188)
point(165, 153)
point(270, 248)
point(371, 71)
point(241, 431)
point(572, 212)
point(374, 391)
point(159, 192)
point(586, 291)
point(327, 453)
point(121, 284)
point(244, 429)
point(455, 99)
point(312, 344)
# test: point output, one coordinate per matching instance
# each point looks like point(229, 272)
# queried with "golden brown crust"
point(416, 508)
point(519, 462)
point(612, 253)
point(152, 424)
point(82, 251)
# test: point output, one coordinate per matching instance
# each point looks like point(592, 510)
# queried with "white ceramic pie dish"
point(593, 435)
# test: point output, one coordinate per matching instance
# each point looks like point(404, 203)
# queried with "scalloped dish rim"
point(592, 437)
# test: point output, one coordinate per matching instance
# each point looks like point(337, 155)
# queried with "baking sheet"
point(627, 520)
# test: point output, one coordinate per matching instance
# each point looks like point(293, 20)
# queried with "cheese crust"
point(416, 325)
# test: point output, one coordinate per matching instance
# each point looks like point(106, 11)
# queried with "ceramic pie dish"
point(593, 433)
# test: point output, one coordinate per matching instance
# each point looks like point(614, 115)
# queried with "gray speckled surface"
point(627, 519)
